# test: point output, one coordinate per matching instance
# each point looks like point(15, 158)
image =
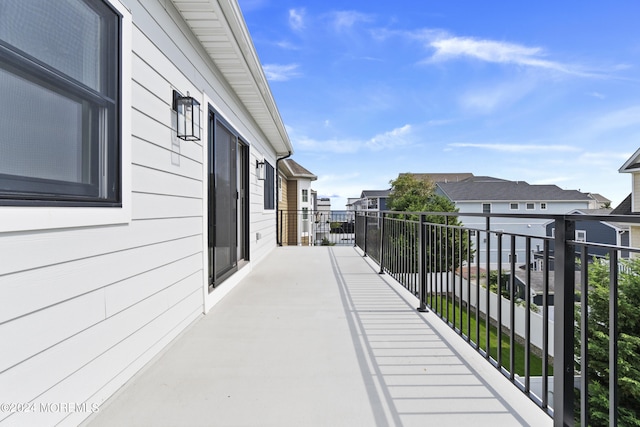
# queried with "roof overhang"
point(631, 165)
point(220, 27)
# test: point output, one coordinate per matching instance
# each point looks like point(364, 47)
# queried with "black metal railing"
point(315, 228)
point(542, 307)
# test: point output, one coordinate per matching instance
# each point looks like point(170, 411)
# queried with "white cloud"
point(344, 20)
point(619, 119)
point(296, 19)
point(387, 140)
point(287, 45)
point(610, 160)
point(396, 137)
point(447, 47)
point(488, 99)
point(280, 73)
point(517, 148)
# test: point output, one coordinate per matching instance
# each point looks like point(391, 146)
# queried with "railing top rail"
point(628, 219)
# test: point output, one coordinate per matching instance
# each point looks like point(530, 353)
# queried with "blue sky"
point(546, 92)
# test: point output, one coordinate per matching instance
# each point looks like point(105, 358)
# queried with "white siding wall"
point(525, 226)
point(83, 308)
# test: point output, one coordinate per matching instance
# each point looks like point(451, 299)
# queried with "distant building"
point(605, 232)
point(599, 201)
point(631, 205)
point(489, 195)
point(295, 203)
point(371, 200)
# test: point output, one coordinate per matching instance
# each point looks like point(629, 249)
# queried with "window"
point(269, 186)
point(60, 109)
point(305, 220)
point(486, 208)
point(305, 196)
point(581, 235)
point(531, 206)
point(280, 195)
point(543, 206)
point(514, 206)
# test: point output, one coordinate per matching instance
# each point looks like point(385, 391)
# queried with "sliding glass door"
point(228, 224)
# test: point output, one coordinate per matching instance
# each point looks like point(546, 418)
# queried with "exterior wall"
point(305, 223)
point(87, 305)
point(597, 232)
point(283, 197)
point(525, 226)
point(635, 193)
point(634, 238)
point(283, 207)
point(291, 219)
point(634, 232)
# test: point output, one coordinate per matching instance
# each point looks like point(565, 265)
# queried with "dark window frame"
point(269, 186)
point(101, 115)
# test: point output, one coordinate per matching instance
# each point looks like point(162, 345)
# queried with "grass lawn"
point(460, 322)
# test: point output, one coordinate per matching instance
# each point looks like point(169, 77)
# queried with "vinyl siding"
point(635, 198)
point(84, 308)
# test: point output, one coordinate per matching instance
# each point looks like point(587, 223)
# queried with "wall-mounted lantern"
point(260, 171)
point(188, 110)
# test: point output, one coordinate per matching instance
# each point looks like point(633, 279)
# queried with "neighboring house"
point(116, 233)
point(482, 194)
point(322, 218)
point(376, 200)
point(296, 203)
point(599, 201)
point(372, 200)
point(631, 205)
point(604, 232)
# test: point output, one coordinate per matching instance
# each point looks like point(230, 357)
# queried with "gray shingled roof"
point(488, 189)
point(624, 208)
point(296, 171)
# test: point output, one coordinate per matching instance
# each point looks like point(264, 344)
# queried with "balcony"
point(399, 330)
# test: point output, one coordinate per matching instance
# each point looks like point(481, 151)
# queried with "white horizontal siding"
point(34, 376)
point(154, 181)
point(84, 308)
point(97, 356)
point(153, 206)
point(27, 251)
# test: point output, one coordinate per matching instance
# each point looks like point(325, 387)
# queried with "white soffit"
point(220, 28)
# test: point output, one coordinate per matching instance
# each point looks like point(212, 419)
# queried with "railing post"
point(366, 227)
point(564, 296)
point(422, 260)
point(381, 218)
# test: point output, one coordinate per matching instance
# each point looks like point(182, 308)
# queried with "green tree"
point(598, 343)
point(409, 194)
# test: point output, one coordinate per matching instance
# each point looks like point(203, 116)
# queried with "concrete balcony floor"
point(315, 337)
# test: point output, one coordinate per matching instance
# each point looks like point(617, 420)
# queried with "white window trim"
point(27, 218)
point(543, 206)
point(511, 208)
point(528, 208)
